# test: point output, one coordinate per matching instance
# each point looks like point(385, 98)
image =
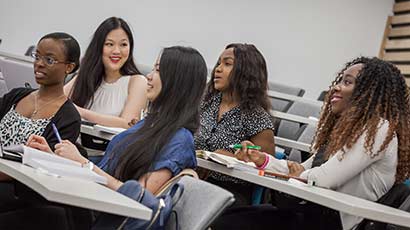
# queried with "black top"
point(67, 119)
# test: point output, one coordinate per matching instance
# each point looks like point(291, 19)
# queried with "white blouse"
point(110, 98)
point(357, 174)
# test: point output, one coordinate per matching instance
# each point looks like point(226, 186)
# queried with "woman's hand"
point(295, 169)
point(38, 142)
point(68, 150)
point(250, 155)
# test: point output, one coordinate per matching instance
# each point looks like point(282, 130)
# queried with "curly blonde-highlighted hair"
point(380, 93)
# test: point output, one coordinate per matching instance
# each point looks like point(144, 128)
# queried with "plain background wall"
point(305, 42)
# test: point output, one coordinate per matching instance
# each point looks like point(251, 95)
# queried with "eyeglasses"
point(49, 61)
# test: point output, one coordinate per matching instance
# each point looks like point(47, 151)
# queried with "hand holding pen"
point(250, 154)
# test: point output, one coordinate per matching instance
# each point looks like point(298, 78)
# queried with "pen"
point(56, 132)
point(280, 176)
point(239, 146)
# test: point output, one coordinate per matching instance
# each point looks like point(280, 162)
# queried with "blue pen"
point(56, 132)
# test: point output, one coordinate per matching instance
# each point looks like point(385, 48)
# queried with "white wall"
point(305, 42)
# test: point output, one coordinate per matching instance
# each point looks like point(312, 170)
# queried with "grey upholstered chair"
point(291, 130)
point(283, 105)
point(200, 204)
point(306, 137)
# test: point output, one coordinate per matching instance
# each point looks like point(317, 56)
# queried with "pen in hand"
point(239, 146)
point(55, 130)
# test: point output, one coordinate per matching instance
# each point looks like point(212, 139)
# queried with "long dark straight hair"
point(183, 77)
point(92, 69)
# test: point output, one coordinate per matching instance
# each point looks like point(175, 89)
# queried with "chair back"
point(397, 197)
point(283, 104)
point(200, 204)
point(308, 132)
point(292, 130)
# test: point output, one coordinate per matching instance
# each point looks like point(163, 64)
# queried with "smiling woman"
point(361, 147)
point(109, 90)
point(340, 99)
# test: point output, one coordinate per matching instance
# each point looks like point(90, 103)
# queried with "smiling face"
point(116, 50)
point(223, 70)
point(154, 83)
point(47, 74)
point(342, 92)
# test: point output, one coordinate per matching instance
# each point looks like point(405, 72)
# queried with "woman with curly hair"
point(234, 109)
point(362, 143)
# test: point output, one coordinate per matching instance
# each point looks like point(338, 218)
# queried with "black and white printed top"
point(67, 120)
point(15, 129)
point(234, 127)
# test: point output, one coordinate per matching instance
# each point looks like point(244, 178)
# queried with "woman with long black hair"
point(109, 89)
point(162, 144)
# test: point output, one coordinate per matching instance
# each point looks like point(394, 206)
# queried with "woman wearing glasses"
point(24, 111)
point(109, 89)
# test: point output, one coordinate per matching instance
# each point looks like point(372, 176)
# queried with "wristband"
point(265, 162)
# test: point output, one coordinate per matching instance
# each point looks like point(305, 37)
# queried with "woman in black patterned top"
point(235, 108)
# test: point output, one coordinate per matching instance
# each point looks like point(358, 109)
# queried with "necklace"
point(36, 108)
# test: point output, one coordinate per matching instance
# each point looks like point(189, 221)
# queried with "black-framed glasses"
point(49, 61)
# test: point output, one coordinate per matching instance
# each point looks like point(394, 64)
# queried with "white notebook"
point(55, 165)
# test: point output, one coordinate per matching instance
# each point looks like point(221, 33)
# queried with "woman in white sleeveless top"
point(109, 89)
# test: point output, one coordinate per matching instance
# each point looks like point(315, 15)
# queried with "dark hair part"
point(380, 93)
point(183, 74)
point(71, 47)
point(248, 78)
point(92, 69)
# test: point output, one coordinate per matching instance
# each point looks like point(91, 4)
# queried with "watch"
point(89, 165)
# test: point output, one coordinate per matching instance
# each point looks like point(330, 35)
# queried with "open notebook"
point(50, 163)
point(229, 162)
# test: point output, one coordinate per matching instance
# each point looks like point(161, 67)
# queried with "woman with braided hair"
point(361, 146)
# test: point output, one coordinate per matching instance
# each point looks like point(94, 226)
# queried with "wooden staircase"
point(395, 46)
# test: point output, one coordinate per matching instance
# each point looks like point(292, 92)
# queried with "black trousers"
point(310, 216)
point(26, 209)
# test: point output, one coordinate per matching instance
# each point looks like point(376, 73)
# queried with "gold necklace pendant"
point(37, 108)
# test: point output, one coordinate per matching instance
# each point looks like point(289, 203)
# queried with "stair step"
point(405, 69)
point(401, 7)
point(401, 19)
point(403, 31)
point(397, 56)
point(398, 44)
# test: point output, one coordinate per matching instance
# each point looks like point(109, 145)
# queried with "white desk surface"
point(326, 197)
point(75, 192)
point(87, 129)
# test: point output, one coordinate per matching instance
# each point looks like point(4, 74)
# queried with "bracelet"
point(265, 162)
